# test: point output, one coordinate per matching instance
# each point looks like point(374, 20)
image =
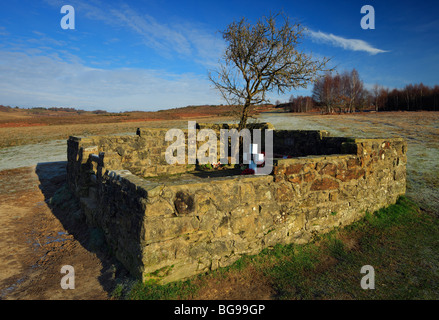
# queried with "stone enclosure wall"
point(168, 223)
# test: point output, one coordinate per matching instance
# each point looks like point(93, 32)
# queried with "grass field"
point(21, 127)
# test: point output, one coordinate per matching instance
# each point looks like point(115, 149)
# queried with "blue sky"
point(151, 55)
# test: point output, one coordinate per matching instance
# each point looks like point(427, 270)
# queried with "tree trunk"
point(244, 116)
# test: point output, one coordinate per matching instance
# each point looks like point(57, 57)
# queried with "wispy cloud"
point(206, 48)
point(348, 44)
point(168, 39)
point(154, 34)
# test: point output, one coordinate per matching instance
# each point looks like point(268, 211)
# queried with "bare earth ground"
point(36, 239)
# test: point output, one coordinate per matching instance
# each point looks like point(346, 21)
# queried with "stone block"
point(294, 168)
point(329, 169)
point(284, 192)
point(324, 184)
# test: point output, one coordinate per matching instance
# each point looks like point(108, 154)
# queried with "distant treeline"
point(346, 93)
point(63, 109)
point(412, 97)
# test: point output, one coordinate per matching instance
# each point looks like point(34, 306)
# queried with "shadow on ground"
point(66, 208)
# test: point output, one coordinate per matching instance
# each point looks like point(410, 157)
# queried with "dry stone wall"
point(172, 228)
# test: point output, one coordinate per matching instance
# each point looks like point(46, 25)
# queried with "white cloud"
point(348, 44)
point(33, 80)
point(41, 72)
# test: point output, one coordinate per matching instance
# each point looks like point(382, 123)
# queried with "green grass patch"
point(400, 242)
point(288, 275)
point(150, 290)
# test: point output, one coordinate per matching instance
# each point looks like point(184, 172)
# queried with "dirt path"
point(37, 240)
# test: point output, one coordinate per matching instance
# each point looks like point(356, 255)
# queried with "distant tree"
point(356, 92)
point(383, 97)
point(375, 94)
point(261, 58)
point(344, 92)
point(326, 92)
point(300, 104)
point(320, 92)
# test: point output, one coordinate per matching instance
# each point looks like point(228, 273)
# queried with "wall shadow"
point(66, 208)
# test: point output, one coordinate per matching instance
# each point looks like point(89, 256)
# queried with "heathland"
point(39, 234)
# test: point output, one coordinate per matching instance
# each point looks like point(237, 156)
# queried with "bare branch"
point(262, 58)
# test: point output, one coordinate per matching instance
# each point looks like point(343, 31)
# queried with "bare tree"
point(345, 92)
point(262, 58)
point(326, 92)
point(356, 91)
point(301, 104)
point(376, 89)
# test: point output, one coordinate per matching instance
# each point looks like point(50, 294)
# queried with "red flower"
point(248, 171)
